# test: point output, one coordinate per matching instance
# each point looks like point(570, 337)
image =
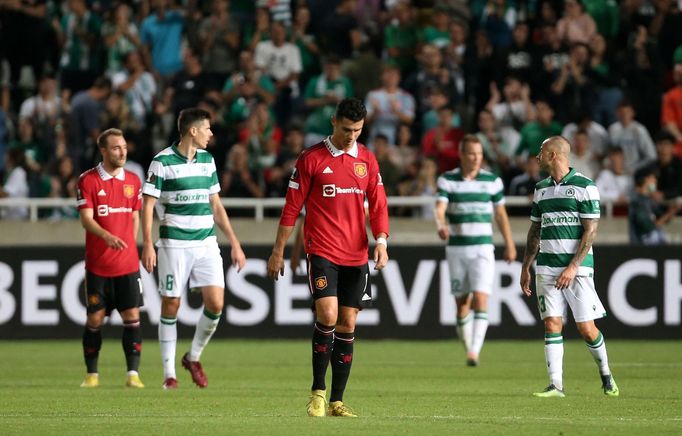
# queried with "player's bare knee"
point(170, 306)
point(214, 306)
point(326, 316)
point(588, 330)
point(553, 325)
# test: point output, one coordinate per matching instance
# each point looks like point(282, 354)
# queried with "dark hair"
point(381, 136)
point(352, 109)
point(642, 173)
point(18, 157)
point(664, 136)
point(625, 102)
point(103, 138)
point(190, 116)
point(614, 149)
point(468, 139)
point(102, 82)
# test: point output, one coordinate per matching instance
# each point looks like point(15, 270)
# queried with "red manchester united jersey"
point(112, 200)
point(333, 185)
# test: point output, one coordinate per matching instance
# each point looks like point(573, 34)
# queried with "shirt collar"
point(106, 176)
point(571, 172)
point(335, 152)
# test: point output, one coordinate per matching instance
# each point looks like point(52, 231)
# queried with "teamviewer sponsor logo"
point(329, 190)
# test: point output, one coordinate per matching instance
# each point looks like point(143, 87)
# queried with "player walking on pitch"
point(564, 217)
point(109, 206)
point(332, 179)
point(182, 182)
point(468, 197)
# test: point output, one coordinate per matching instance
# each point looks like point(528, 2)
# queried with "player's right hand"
point(525, 281)
point(275, 266)
point(443, 233)
point(148, 257)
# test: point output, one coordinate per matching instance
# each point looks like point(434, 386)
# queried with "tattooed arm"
point(589, 233)
point(532, 248)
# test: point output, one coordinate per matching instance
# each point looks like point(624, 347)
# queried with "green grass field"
point(396, 387)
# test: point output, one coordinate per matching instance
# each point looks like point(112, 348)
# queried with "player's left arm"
point(223, 222)
point(502, 220)
point(378, 214)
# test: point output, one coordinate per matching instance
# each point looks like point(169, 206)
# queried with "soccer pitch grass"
point(396, 387)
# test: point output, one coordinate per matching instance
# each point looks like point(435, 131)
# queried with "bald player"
point(564, 220)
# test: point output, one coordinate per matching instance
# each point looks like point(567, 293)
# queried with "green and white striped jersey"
point(183, 189)
point(559, 207)
point(470, 206)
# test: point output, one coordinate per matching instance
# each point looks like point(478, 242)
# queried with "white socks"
point(554, 357)
point(480, 328)
point(598, 350)
point(168, 339)
point(465, 329)
point(203, 333)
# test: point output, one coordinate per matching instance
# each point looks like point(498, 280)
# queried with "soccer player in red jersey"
point(332, 179)
point(109, 202)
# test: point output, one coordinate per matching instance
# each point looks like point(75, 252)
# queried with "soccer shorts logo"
point(93, 300)
point(360, 169)
point(321, 283)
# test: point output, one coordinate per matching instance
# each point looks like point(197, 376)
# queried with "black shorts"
point(120, 293)
point(350, 284)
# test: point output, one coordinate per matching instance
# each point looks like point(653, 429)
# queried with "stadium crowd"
point(606, 75)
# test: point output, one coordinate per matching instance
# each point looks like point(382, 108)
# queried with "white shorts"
point(200, 266)
point(471, 268)
point(580, 296)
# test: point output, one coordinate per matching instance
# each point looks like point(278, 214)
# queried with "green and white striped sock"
point(598, 350)
point(465, 328)
point(480, 329)
point(203, 333)
point(554, 357)
point(168, 340)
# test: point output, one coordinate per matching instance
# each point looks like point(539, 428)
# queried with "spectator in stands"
point(582, 159)
point(280, 10)
point(37, 153)
point(437, 100)
point(121, 36)
point(647, 216)
point(423, 185)
point(219, 36)
point(364, 71)
point(437, 33)
point(668, 167)
point(517, 59)
point(161, 35)
point(390, 172)
point(431, 73)
point(644, 77)
point(84, 122)
point(459, 59)
point(388, 106)
point(515, 110)
point(606, 16)
point(45, 110)
point(573, 91)
point(498, 149)
point(576, 26)
point(63, 184)
point(671, 111)
point(277, 178)
point(483, 71)
point(405, 151)
point(498, 20)
point(401, 38)
point(614, 184)
point(321, 96)
point(238, 180)
point(306, 42)
point(262, 138)
point(16, 183)
point(442, 142)
point(281, 60)
point(535, 132)
point(599, 136)
point(605, 74)
point(633, 138)
point(138, 86)
point(666, 26)
point(524, 184)
point(257, 32)
point(245, 88)
point(189, 86)
point(550, 58)
point(339, 32)
point(81, 47)
point(117, 114)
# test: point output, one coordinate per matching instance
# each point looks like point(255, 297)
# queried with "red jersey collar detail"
point(335, 152)
point(106, 176)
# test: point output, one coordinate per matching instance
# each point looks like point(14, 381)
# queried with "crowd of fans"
point(607, 75)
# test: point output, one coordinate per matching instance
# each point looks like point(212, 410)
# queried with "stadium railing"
point(258, 205)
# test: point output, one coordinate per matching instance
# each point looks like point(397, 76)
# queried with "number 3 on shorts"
point(541, 303)
point(169, 282)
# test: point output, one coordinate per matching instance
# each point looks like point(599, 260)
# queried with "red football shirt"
point(113, 200)
point(333, 185)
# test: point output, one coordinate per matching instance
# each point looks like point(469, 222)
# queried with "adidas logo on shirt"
point(366, 297)
point(327, 171)
point(101, 193)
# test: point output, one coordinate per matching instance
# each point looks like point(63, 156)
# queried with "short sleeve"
point(535, 214)
point(442, 194)
point(498, 192)
point(215, 185)
point(84, 199)
point(154, 181)
point(588, 207)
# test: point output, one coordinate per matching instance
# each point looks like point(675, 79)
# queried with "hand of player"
point(294, 263)
point(566, 277)
point(380, 256)
point(525, 281)
point(115, 242)
point(148, 257)
point(238, 257)
point(510, 253)
point(275, 266)
point(443, 233)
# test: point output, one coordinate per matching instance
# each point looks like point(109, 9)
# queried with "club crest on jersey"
point(93, 299)
point(128, 191)
point(360, 169)
point(570, 192)
point(321, 283)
